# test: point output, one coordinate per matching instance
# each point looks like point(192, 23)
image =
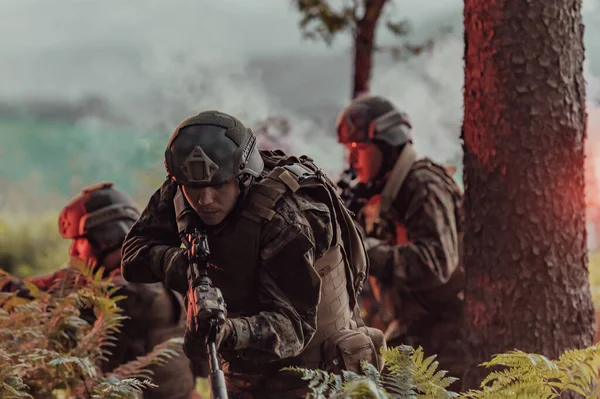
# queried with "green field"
point(61, 158)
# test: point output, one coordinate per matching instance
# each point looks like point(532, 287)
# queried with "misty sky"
point(155, 62)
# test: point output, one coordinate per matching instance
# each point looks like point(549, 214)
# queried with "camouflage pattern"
point(155, 315)
point(287, 284)
point(416, 272)
point(288, 290)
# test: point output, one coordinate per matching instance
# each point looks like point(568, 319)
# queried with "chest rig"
point(235, 247)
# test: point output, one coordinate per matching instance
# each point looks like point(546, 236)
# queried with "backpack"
point(283, 174)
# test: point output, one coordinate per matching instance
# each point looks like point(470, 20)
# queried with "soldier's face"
point(214, 203)
point(366, 159)
point(82, 250)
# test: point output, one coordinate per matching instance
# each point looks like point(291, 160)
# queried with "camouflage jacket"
point(287, 283)
point(417, 269)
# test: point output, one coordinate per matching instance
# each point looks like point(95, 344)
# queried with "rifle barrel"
point(217, 378)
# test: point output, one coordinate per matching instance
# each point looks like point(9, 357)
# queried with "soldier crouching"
point(284, 252)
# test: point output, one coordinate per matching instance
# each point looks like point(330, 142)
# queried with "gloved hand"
point(194, 342)
point(175, 266)
point(381, 258)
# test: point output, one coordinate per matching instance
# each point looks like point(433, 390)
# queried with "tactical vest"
point(235, 247)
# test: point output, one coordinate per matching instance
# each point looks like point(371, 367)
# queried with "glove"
point(194, 342)
point(381, 259)
point(175, 266)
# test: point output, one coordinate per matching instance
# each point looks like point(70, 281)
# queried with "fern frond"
point(371, 372)
point(46, 346)
point(416, 373)
point(398, 388)
point(11, 383)
point(532, 375)
point(113, 388)
point(10, 300)
point(84, 364)
point(579, 370)
point(108, 321)
point(361, 389)
point(321, 383)
point(159, 356)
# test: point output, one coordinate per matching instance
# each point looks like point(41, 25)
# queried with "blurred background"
point(91, 90)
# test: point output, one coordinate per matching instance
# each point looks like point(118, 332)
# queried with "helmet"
point(370, 118)
point(100, 213)
point(211, 148)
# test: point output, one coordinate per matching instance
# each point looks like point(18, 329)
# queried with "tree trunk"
point(523, 131)
point(364, 41)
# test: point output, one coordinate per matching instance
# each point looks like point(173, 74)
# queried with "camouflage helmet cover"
point(100, 210)
point(211, 148)
point(389, 124)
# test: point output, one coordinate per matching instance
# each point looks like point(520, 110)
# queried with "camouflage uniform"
point(285, 286)
point(416, 272)
point(422, 288)
point(102, 215)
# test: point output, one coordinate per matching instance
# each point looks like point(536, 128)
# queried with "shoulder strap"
point(267, 192)
point(397, 177)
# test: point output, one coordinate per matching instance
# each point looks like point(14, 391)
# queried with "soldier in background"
point(96, 222)
point(411, 213)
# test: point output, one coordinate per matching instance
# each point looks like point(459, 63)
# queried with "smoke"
point(429, 88)
point(593, 139)
point(116, 78)
point(137, 69)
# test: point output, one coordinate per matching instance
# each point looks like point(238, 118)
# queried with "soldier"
point(96, 222)
point(411, 212)
point(285, 254)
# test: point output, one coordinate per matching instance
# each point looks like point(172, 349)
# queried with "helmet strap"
point(389, 157)
point(101, 254)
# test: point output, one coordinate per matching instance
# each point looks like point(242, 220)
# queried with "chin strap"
point(102, 254)
point(396, 178)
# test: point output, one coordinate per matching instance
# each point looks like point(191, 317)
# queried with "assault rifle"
point(206, 306)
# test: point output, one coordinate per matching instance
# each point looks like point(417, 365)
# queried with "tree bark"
point(364, 42)
point(523, 140)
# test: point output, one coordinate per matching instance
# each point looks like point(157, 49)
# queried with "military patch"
point(198, 167)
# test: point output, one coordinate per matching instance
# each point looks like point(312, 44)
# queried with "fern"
point(161, 354)
point(120, 389)
point(362, 389)
point(408, 374)
point(417, 373)
point(11, 383)
point(47, 348)
point(535, 376)
point(347, 385)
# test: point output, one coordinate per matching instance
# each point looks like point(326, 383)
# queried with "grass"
point(31, 246)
